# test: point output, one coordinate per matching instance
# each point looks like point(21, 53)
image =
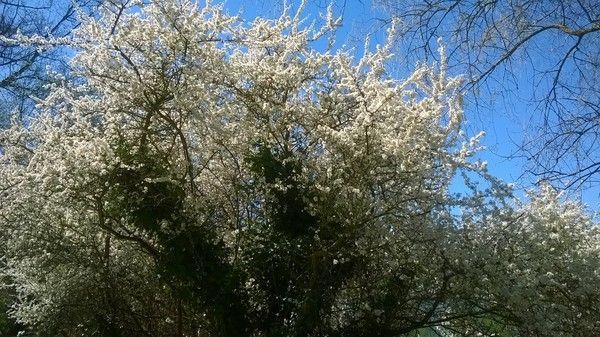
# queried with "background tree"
point(24, 70)
point(557, 43)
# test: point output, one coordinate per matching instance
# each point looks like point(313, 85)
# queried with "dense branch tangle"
point(493, 41)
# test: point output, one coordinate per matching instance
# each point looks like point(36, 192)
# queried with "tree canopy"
point(201, 175)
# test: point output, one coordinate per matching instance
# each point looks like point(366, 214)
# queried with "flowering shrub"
point(199, 175)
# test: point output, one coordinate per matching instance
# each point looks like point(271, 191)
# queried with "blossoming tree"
point(199, 175)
